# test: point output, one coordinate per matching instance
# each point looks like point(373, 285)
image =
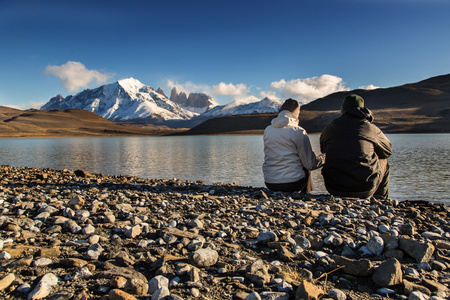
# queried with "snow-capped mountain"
point(130, 100)
point(126, 99)
point(266, 105)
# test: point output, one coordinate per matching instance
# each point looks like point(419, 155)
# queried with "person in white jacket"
point(288, 156)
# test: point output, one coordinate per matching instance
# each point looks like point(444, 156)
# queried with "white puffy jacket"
point(287, 150)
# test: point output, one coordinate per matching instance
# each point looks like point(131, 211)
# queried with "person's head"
point(291, 105)
point(350, 101)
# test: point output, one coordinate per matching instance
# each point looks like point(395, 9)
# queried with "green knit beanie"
point(352, 101)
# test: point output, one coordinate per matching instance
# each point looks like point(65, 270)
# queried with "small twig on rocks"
point(326, 274)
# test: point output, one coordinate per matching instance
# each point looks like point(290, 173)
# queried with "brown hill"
point(72, 122)
point(422, 107)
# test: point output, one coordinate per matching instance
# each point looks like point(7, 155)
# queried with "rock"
point(337, 294)
point(308, 291)
point(93, 252)
point(253, 296)
point(361, 267)
point(44, 287)
point(416, 295)
point(128, 273)
point(133, 231)
point(302, 242)
point(407, 229)
point(76, 202)
point(42, 262)
point(5, 255)
point(398, 254)
point(410, 287)
point(118, 282)
point(420, 251)
point(118, 228)
point(161, 293)
point(266, 237)
point(434, 286)
point(431, 235)
point(274, 296)
point(375, 245)
point(389, 273)
point(195, 292)
point(284, 287)
point(258, 273)
point(117, 294)
point(49, 252)
point(204, 257)
point(157, 282)
point(136, 286)
point(24, 288)
point(6, 281)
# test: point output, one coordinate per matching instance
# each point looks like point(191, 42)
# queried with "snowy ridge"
point(266, 105)
point(129, 99)
point(126, 99)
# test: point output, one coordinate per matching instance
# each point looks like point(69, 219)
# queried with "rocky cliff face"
point(198, 102)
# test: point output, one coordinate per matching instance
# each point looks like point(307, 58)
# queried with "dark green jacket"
point(353, 147)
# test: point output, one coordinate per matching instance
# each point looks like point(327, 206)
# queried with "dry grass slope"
point(67, 123)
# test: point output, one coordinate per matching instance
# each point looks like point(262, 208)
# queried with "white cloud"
point(269, 94)
point(229, 89)
point(242, 101)
point(74, 75)
point(189, 87)
point(308, 89)
point(231, 94)
point(240, 93)
point(369, 87)
point(31, 104)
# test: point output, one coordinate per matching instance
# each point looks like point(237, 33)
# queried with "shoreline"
point(100, 236)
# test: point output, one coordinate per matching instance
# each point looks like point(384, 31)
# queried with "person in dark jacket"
point(356, 153)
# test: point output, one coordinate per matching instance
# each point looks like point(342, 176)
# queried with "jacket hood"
point(361, 113)
point(285, 118)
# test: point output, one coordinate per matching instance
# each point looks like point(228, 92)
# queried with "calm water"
point(419, 166)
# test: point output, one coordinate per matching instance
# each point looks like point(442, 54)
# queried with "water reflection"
point(419, 165)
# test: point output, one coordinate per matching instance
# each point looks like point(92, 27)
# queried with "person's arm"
point(308, 158)
point(323, 140)
point(383, 147)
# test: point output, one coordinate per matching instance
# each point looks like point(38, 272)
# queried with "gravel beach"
point(70, 234)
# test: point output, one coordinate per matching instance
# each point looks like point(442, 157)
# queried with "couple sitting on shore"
point(354, 153)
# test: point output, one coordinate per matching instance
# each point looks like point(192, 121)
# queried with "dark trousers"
point(304, 185)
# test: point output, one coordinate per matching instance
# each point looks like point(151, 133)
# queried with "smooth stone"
point(375, 245)
point(160, 293)
point(117, 294)
point(337, 294)
point(6, 281)
point(157, 282)
point(44, 287)
point(204, 257)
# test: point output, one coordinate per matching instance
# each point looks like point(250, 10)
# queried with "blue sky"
point(232, 50)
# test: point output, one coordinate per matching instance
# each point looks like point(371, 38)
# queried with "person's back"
point(356, 152)
point(288, 156)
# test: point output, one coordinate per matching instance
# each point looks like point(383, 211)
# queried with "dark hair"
point(290, 105)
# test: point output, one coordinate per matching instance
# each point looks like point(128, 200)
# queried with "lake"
point(420, 165)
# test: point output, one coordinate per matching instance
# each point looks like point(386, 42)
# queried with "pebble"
point(71, 235)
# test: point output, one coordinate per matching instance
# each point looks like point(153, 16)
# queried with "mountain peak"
point(130, 83)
